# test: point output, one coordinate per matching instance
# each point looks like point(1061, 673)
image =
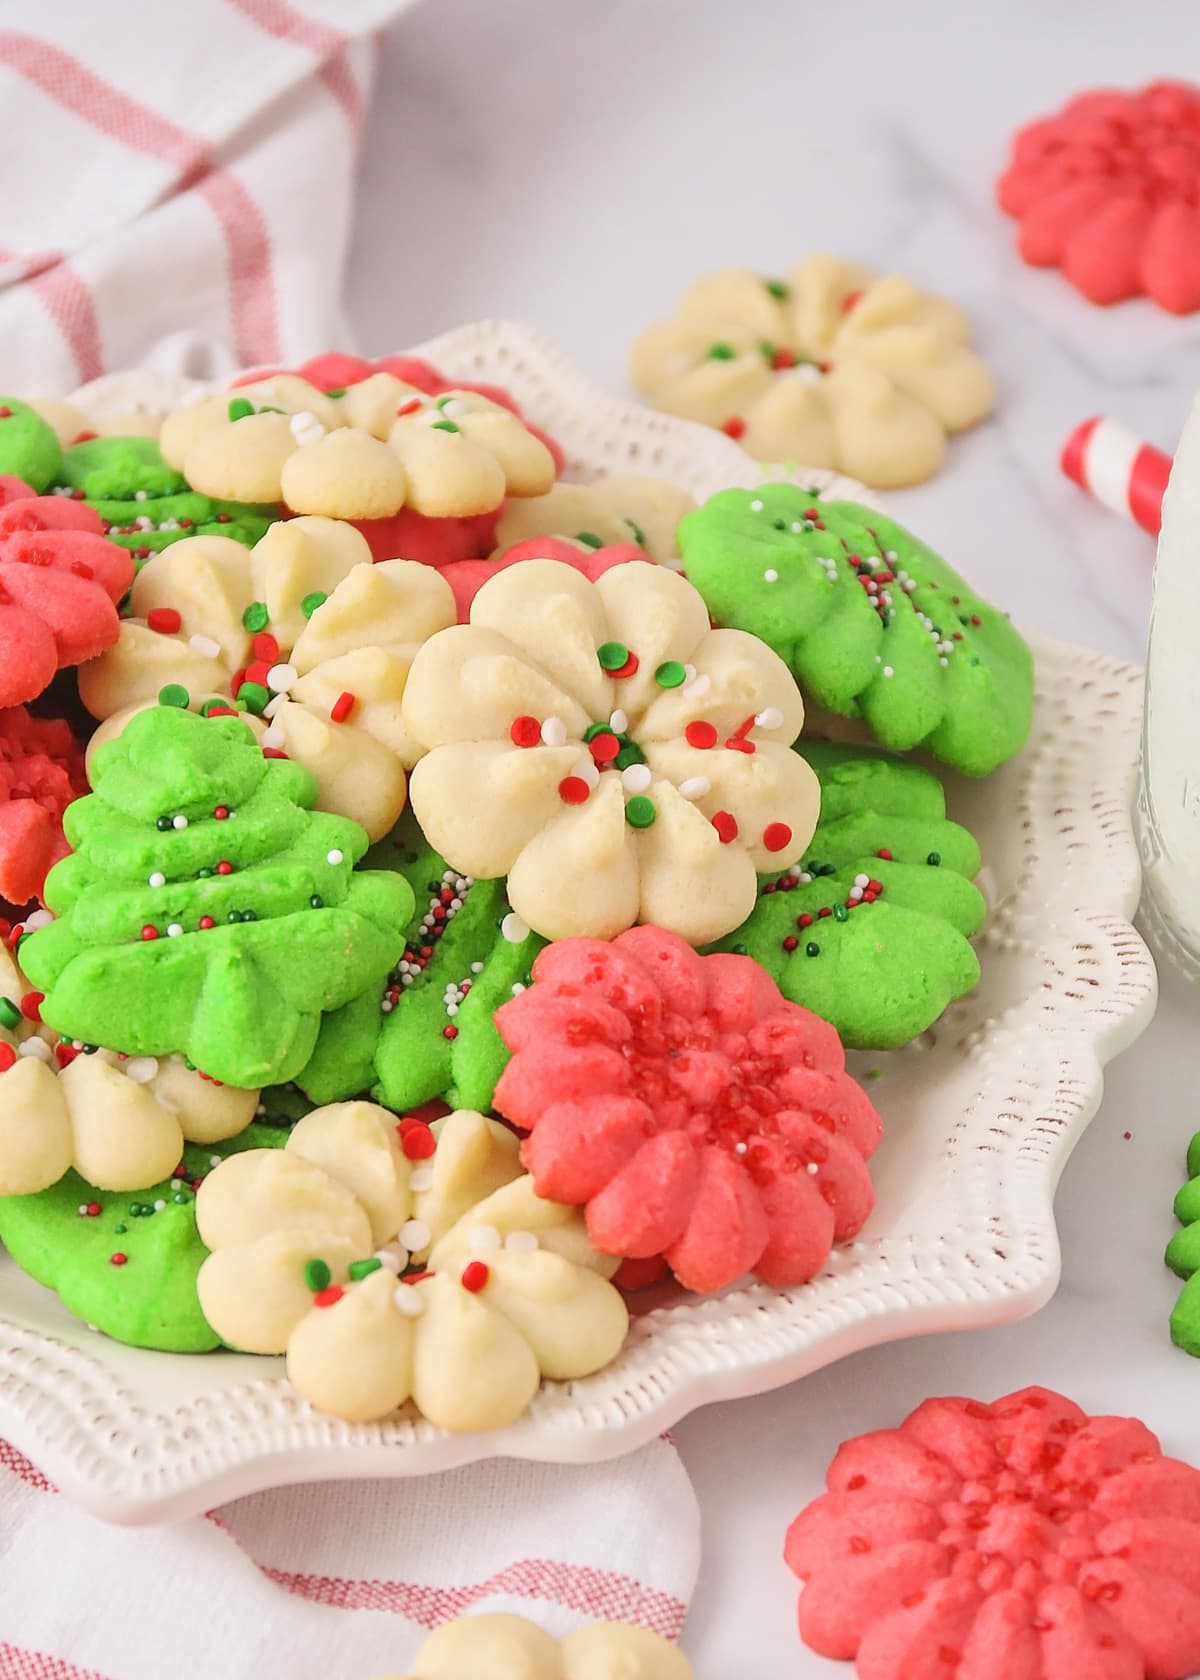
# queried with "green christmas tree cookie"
point(126, 1263)
point(1183, 1256)
point(872, 932)
point(29, 446)
point(873, 623)
point(205, 909)
point(146, 504)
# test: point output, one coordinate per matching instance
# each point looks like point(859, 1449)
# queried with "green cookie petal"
point(29, 446)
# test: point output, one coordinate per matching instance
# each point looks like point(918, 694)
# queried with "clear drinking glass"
point(1168, 803)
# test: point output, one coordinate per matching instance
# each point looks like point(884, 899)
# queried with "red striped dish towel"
point(178, 185)
point(339, 1581)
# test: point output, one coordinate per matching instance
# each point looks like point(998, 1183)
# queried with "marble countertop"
point(574, 165)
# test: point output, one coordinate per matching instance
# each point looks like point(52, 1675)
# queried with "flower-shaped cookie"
point(1108, 190)
point(692, 1110)
point(1022, 1538)
point(606, 750)
point(488, 1647)
point(60, 582)
point(620, 508)
point(831, 366)
point(396, 1261)
point(305, 631)
point(41, 772)
point(364, 453)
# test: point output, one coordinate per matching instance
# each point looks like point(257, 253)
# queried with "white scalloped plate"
point(981, 1113)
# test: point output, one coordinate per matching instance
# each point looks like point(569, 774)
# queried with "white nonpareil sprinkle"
point(39, 918)
point(699, 687)
point(517, 988)
point(281, 677)
point(205, 645)
point(513, 928)
point(756, 507)
point(420, 1180)
point(407, 1302)
point(740, 1148)
point(521, 1242)
point(770, 718)
point(812, 1168)
point(273, 737)
point(635, 778)
point(141, 495)
point(695, 787)
point(797, 525)
point(618, 722)
point(862, 880)
point(36, 1047)
point(888, 671)
point(335, 856)
point(554, 732)
point(272, 706)
point(771, 575)
point(179, 822)
point(415, 1234)
point(214, 1160)
point(174, 929)
point(158, 879)
point(305, 427)
point(476, 968)
point(483, 1237)
point(389, 1261)
point(159, 1205)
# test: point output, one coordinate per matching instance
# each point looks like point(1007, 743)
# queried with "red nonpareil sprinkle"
point(165, 620)
point(265, 647)
point(884, 854)
point(783, 359)
point(207, 922)
point(224, 867)
point(975, 619)
point(804, 920)
point(224, 518)
point(343, 706)
point(141, 553)
point(149, 932)
point(273, 752)
point(604, 747)
point(221, 812)
point(328, 1297)
point(776, 836)
point(825, 910)
point(31, 1005)
point(5, 413)
point(186, 524)
point(734, 428)
point(78, 495)
point(700, 734)
point(7, 1057)
point(526, 731)
point(726, 826)
point(93, 1210)
point(475, 1276)
point(450, 1032)
point(65, 1054)
point(573, 790)
point(85, 437)
point(416, 1140)
point(791, 942)
point(118, 1259)
point(848, 302)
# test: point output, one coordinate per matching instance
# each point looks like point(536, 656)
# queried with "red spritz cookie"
point(1022, 1540)
point(688, 1107)
point(60, 582)
point(41, 772)
point(1108, 190)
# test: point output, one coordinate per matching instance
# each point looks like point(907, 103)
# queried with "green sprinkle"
point(934, 859)
point(778, 289)
point(317, 1275)
point(207, 707)
point(162, 824)
point(203, 874)
point(239, 408)
point(180, 1196)
point(120, 1230)
point(874, 1073)
point(311, 602)
point(444, 426)
point(738, 950)
point(612, 655)
point(590, 538)
point(234, 916)
point(720, 353)
point(339, 392)
point(640, 812)
point(629, 754)
point(256, 617)
point(174, 694)
point(670, 674)
point(254, 695)
point(841, 913)
point(812, 949)
point(10, 1015)
point(316, 902)
point(589, 734)
point(766, 349)
point(639, 536)
point(249, 915)
point(359, 1269)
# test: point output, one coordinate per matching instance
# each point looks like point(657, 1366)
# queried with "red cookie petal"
point(842, 1600)
point(924, 1641)
point(644, 1208)
point(726, 1229)
point(840, 1524)
point(28, 655)
point(579, 1147)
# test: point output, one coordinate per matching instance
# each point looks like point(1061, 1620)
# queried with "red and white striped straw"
point(1108, 460)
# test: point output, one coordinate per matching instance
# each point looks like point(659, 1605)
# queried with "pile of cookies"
point(441, 895)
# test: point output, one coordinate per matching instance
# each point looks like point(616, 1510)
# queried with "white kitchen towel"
point(177, 183)
point(339, 1581)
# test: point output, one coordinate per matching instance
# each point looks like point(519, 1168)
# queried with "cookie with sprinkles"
point(871, 929)
point(147, 505)
point(126, 1262)
point(1183, 1256)
point(872, 622)
point(29, 446)
point(206, 909)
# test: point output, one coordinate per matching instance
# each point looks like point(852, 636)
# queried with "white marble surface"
point(574, 163)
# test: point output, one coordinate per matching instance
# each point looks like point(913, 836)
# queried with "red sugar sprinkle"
point(573, 790)
point(526, 731)
point(734, 428)
point(118, 1259)
point(475, 1276)
point(700, 734)
point(604, 748)
point(265, 647)
point(31, 1005)
point(165, 620)
point(7, 1057)
point(410, 407)
point(726, 826)
point(776, 836)
point(328, 1297)
point(738, 743)
point(343, 706)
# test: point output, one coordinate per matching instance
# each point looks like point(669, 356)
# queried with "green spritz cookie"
point(872, 622)
point(206, 910)
point(29, 446)
point(146, 504)
point(126, 1262)
point(872, 931)
point(1183, 1256)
